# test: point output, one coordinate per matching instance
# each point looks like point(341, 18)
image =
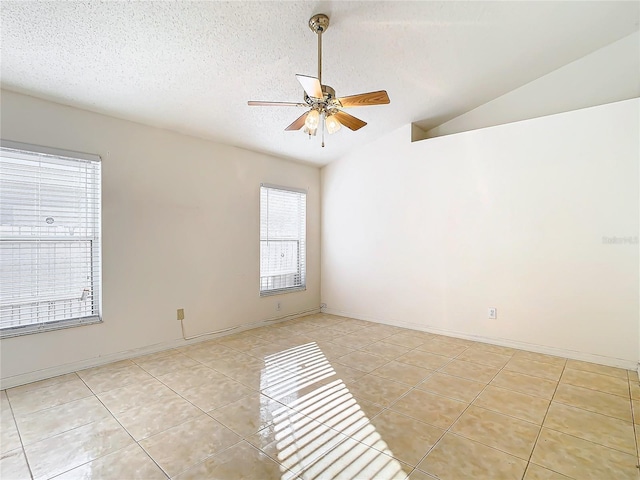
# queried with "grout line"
point(329, 426)
point(85, 463)
point(448, 430)
point(592, 411)
point(137, 442)
point(544, 419)
point(43, 386)
point(199, 461)
point(15, 424)
point(128, 433)
point(633, 422)
point(385, 408)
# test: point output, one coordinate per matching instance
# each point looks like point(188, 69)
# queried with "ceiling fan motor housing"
point(328, 102)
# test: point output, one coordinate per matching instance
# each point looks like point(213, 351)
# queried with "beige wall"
point(426, 234)
point(180, 225)
point(430, 234)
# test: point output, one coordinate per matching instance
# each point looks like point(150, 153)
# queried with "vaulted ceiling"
point(192, 66)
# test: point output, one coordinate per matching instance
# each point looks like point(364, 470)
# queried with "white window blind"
point(283, 226)
point(49, 239)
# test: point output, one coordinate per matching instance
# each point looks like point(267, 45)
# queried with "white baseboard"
point(22, 379)
point(531, 347)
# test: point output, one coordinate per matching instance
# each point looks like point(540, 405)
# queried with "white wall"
point(180, 226)
point(430, 234)
point(607, 75)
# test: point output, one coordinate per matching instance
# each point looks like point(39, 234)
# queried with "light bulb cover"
point(333, 124)
point(313, 120)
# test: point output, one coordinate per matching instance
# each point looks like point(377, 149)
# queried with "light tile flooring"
point(327, 397)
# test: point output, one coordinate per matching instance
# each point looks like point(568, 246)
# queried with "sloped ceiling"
point(192, 66)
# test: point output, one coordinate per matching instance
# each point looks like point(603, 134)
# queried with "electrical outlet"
point(493, 313)
point(278, 306)
point(181, 314)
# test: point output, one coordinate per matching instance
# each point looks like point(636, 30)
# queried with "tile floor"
point(327, 397)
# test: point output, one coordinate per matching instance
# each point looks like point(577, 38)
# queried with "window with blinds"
point(49, 239)
point(283, 226)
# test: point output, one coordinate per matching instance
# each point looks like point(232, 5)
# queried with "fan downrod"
point(319, 23)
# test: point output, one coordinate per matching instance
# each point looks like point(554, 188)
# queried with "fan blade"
point(311, 85)
point(349, 121)
point(299, 123)
point(252, 103)
point(365, 99)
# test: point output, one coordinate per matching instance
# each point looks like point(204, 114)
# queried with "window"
point(283, 214)
point(49, 239)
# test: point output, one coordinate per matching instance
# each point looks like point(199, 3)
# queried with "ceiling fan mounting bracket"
point(319, 23)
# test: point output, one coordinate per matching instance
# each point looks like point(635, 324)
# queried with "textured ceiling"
point(192, 66)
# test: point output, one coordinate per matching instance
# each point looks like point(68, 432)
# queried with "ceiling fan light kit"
point(324, 107)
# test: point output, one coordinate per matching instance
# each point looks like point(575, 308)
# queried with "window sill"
point(47, 327)
point(281, 291)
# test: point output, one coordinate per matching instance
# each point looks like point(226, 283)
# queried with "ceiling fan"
point(321, 99)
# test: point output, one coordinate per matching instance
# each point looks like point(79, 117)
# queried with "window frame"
point(302, 257)
point(95, 248)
